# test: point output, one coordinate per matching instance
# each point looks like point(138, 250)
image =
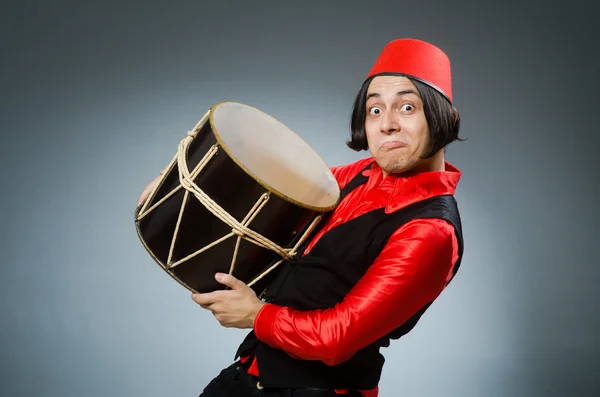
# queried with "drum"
point(241, 195)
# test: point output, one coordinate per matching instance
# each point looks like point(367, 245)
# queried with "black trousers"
point(234, 381)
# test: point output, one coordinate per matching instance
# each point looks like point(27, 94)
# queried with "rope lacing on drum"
point(239, 229)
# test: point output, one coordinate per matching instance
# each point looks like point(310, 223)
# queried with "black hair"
point(442, 118)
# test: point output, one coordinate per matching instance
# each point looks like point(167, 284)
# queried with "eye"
point(407, 107)
point(375, 111)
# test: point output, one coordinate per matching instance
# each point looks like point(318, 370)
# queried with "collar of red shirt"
point(410, 187)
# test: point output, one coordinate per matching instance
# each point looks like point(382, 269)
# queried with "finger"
point(229, 280)
point(143, 196)
point(147, 190)
point(206, 299)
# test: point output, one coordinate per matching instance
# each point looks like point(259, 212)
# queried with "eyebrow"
point(400, 93)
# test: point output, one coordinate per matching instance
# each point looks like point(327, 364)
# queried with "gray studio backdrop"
point(96, 96)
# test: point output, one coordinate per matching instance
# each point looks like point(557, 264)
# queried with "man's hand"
point(235, 308)
point(151, 186)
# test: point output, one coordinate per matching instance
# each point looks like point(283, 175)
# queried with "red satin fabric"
point(411, 270)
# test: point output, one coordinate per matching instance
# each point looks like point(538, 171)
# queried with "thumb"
point(229, 280)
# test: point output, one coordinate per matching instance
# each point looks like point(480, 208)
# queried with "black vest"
point(321, 279)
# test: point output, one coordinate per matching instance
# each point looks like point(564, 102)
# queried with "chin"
point(395, 168)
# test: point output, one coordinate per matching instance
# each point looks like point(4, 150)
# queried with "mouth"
point(393, 145)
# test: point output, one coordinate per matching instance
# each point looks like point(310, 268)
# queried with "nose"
point(389, 123)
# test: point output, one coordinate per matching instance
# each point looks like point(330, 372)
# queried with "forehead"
point(390, 84)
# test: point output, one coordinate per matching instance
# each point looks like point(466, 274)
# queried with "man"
point(379, 259)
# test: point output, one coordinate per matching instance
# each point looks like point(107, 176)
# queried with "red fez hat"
point(418, 59)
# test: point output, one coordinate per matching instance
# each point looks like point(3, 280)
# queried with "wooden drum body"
point(240, 196)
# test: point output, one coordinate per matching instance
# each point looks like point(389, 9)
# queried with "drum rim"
point(166, 269)
point(138, 230)
point(255, 177)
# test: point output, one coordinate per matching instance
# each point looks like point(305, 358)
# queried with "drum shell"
point(233, 189)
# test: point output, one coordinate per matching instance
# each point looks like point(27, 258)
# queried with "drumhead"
point(274, 156)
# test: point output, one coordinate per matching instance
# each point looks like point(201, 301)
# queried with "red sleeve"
point(344, 173)
point(411, 270)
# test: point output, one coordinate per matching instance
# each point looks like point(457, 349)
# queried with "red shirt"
point(413, 268)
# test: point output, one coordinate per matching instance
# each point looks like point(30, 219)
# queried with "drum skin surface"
point(232, 188)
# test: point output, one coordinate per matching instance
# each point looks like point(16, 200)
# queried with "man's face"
point(396, 127)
